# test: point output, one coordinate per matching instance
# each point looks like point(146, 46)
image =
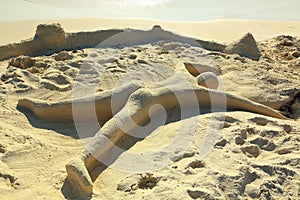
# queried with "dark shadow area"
point(69, 194)
point(64, 128)
point(290, 109)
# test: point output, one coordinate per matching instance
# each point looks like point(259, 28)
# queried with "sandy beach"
point(170, 85)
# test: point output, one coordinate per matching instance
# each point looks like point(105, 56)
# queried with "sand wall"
point(52, 38)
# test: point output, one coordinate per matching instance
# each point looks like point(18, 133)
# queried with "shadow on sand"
point(64, 128)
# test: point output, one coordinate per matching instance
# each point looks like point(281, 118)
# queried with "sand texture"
point(208, 120)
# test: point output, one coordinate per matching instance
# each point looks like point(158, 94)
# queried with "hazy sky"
point(171, 10)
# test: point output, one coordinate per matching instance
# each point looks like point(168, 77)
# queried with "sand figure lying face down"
point(136, 107)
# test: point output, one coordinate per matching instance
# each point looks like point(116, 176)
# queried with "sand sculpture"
point(136, 104)
point(258, 150)
point(139, 101)
point(52, 38)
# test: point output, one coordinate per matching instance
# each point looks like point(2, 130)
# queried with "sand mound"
point(51, 35)
point(22, 62)
point(209, 80)
point(245, 47)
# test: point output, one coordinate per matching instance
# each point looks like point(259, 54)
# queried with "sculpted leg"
point(80, 170)
point(63, 111)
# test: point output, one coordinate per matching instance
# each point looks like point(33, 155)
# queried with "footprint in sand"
point(264, 144)
point(18, 80)
point(196, 164)
point(260, 121)
point(253, 147)
point(2, 149)
point(8, 181)
point(251, 150)
point(199, 194)
point(56, 80)
point(63, 55)
point(284, 151)
point(239, 140)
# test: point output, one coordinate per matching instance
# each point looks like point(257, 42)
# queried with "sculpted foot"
point(79, 178)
